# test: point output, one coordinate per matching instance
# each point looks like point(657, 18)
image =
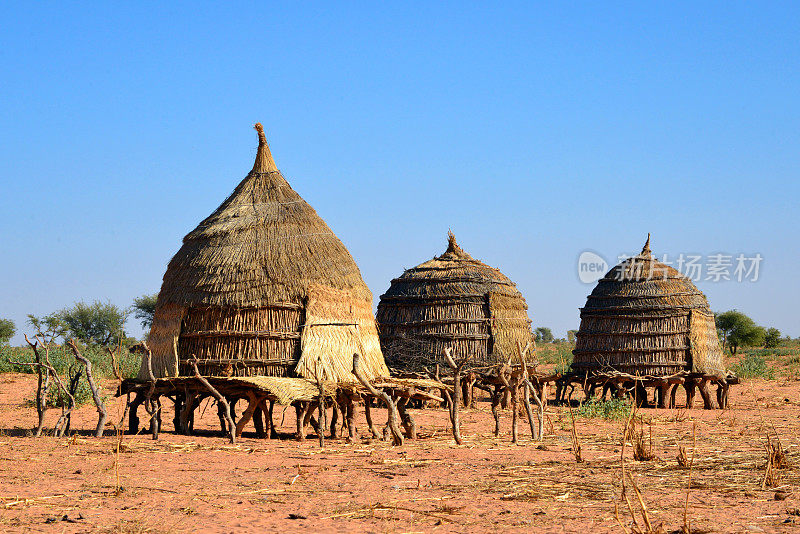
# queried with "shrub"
point(609, 409)
point(753, 366)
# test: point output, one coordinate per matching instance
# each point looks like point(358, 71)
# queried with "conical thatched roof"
point(452, 300)
point(263, 244)
point(252, 278)
point(645, 317)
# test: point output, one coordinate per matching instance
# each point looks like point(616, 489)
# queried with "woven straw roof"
point(453, 272)
point(456, 301)
point(264, 244)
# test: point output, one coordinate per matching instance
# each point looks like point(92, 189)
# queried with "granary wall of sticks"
point(646, 320)
point(264, 287)
point(452, 301)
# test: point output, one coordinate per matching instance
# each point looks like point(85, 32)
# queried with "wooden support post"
point(496, 398)
point(370, 423)
point(708, 401)
point(350, 417)
point(300, 408)
point(133, 417)
point(176, 418)
point(673, 389)
point(258, 421)
point(661, 393)
point(691, 387)
point(334, 420)
point(186, 413)
point(407, 420)
point(273, 433)
point(252, 404)
point(722, 393)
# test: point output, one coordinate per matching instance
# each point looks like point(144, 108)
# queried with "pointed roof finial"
point(646, 248)
point(264, 161)
point(452, 245)
point(453, 250)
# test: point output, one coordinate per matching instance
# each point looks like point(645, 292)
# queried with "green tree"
point(95, 324)
point(772, 338)
point(49, 327)
point(544, 335)
point(7, 330)
point(144, 308)
point(571, 335)
point(738, 330)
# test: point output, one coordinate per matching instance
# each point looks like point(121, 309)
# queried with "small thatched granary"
point(453, 301)
point(264, 287)
point(646, 318)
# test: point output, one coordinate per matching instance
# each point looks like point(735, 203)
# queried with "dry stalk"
point(776, 460)
point(642, 452)
point(686, 528)
point(576, 446)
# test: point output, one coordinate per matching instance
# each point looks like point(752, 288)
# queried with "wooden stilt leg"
point(252, 404)
point(370, 423)
point(496, 399)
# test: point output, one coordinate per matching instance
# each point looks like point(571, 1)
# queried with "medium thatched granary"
point(264, 287)
point(453, 301)
point(646, 318)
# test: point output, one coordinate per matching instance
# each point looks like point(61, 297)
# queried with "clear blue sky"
point(533, 131)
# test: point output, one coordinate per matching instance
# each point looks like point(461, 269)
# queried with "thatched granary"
point(453, 301)
point(264, 287)
point(646, 318)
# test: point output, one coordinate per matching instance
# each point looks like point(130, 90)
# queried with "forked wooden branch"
point(150, 405)
point(220, 399)
point(454, 401)
point(102, 414)
point(44, 363)
point(394, 415)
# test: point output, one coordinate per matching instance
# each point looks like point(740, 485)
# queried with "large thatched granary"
point(264, 287)
point(453, 301)
point(646, 318)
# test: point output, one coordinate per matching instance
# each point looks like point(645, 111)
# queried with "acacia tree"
point(7, 330)
point(544, 335)
point(144, 308)
point(738, 330)
point(99, 323)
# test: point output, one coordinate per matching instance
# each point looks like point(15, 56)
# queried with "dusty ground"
point(200, 483)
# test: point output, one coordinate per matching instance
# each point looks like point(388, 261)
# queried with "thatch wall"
point(236, 293)
point(453, 301)
point(646, 318)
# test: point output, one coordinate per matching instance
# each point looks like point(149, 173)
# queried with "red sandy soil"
point(203, 484)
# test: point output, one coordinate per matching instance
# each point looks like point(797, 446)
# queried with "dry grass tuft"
point(776, 461)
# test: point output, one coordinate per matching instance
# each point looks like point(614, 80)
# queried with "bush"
point(610, 409)
point(62, 358)
point(56, 398)
point(753, 366)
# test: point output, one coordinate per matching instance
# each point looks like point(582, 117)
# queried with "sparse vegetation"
point(753, 366)
point(609, 409)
